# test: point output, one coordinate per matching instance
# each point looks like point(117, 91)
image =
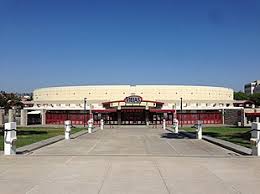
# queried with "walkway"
point(130, 160)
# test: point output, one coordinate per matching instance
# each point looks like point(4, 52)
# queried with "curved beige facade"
point(168, 94)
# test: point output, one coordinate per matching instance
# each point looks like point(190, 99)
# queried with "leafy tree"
point(240, 96)
point(255, 98)
point(9, 100)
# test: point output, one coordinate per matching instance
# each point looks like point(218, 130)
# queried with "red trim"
point(113, 101)
point(253, 114)
point(153, 101)
point(124, 101)
point(105, 111)
point(162, 111)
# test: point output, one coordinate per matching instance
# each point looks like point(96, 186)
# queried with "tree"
point(240, 96)
point(9, 100)
point(255, 98)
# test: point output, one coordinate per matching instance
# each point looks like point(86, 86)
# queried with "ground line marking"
point(162, 178)
point(167, 141)
point(109, 167)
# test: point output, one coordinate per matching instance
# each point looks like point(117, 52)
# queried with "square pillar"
point(119, 117)
point(43, 115)
point(243, 118)
point(223, 116)
point(147, 117)
point(24, 117)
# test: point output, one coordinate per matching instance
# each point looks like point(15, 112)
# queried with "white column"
point(255, 139)
point(67, 129)
point(10, 138)
point(24, 117)
point(101, 124)
point(43, 115)
point(199, 130)
point(164, 124)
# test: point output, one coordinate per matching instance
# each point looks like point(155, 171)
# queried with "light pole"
point(84, 112)
point(181, 112)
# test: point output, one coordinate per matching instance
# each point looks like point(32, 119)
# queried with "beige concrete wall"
point(167, 93)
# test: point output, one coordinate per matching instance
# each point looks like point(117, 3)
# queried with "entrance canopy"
point(133, 101)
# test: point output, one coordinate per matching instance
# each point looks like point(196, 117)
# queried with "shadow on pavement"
point(172, 136)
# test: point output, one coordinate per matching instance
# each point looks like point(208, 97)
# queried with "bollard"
point(255, 139)
point(10, 138)
point(176, 125)
point(164, 124)
point(90, 125)
point(67, 129)
point(199, 130)
point(101, 124)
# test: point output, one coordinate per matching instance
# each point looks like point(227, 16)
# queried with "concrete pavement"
point(130, 160)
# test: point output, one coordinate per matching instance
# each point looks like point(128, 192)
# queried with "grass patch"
point(236, 135)
point(28, 135)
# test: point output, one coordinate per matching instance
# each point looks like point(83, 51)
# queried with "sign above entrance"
point(133, 99)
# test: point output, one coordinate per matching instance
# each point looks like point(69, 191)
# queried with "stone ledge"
point(228, 145)
point(80, 133)
point(225, 144)
point(40, 144)
point(46, 142)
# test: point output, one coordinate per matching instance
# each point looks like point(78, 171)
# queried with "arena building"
point(132, 104)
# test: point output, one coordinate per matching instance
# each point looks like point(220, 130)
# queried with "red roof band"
point(117, 101)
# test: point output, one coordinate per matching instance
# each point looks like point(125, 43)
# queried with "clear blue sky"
point(205, 42)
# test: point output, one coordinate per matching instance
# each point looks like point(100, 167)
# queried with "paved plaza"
point(130, 160)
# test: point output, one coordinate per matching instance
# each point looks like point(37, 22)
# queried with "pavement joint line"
point(145, 144)
point(160, 173)
point(108, 170)
point(33, 188)
point(220, 179)
point(167, 141)
point(141, 155)
point(201, 147)
point(68, 161)
point(97, 142)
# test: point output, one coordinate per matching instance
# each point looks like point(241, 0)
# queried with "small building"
point(252, 88)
